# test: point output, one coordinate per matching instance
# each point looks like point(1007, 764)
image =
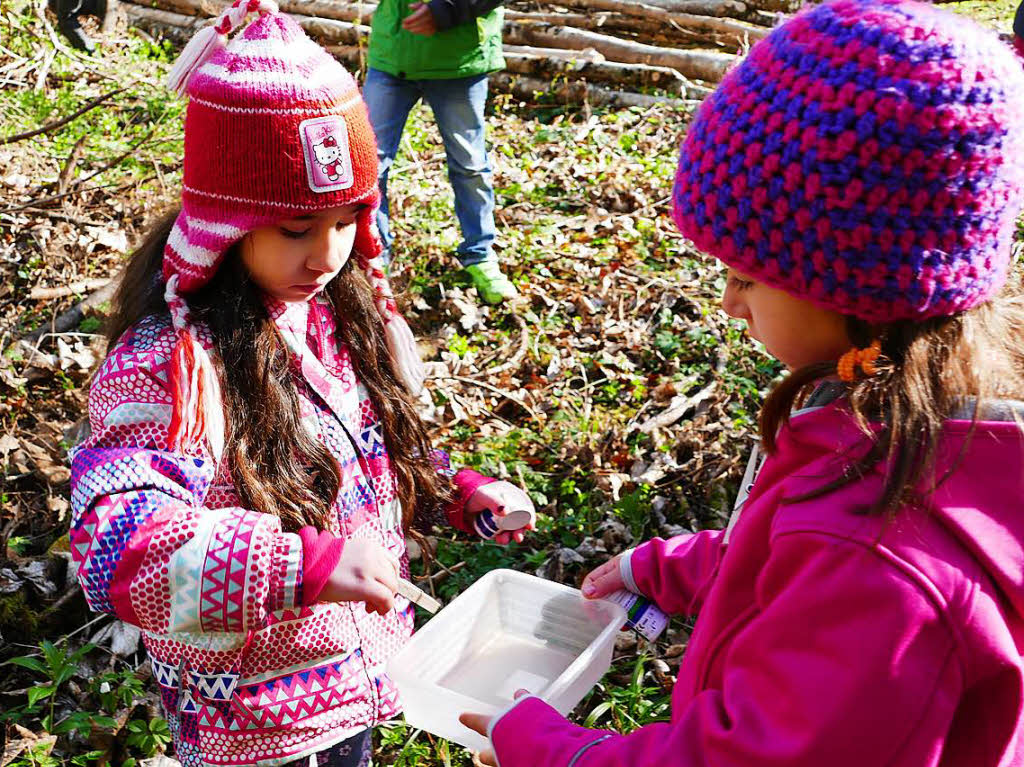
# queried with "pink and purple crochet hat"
point(275, 128)
point(868, 156)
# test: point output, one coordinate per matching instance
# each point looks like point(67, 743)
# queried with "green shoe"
point(492, 285)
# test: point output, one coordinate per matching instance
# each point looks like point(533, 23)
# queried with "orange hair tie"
point(846, 367)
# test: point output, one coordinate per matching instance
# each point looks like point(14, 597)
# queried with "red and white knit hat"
point(275, 128)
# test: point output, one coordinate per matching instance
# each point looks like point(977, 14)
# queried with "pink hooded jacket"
point(828, 638)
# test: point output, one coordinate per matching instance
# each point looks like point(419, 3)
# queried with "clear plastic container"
point(507, 631)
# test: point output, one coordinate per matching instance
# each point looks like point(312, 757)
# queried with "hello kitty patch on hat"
point(325, 149)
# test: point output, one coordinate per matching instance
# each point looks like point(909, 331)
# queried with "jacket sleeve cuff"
point(532, 732)
point(640, 561)
point(285, 572)
point(321, 552)
point(441, 10)
point(626, 571)
point(467, 482)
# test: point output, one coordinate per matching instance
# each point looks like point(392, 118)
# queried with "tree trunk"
point(538, 62)
point(203, 8)
point(736, 9)
point(175, 26)
point(331, 32)
point(579, 92)
point(654, 27)
point(339, 10)
point(325, 9)
point(701, 65)
point(668, 22)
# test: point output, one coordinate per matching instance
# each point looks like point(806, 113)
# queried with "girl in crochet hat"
point(255, 456)
point(859, 174)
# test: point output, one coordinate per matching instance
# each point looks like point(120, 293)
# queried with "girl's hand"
point(501, 497)
point(479, 723)
point(604, 580)
point(420, 21)
point(366, 572)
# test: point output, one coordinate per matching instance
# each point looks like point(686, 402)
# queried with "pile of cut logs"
point(602, 52)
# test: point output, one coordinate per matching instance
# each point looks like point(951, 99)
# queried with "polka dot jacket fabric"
point(247, 672)
point(868, 156)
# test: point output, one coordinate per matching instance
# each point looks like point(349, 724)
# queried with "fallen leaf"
point(79, 356)
point(8, 443)
point(59, 505)
point(45, 466)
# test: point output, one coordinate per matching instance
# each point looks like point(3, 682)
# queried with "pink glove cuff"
point(321, 552)
point(467, 482)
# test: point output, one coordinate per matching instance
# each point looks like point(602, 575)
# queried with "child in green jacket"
point(442, 51)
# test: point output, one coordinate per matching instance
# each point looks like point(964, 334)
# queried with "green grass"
point(995, 13)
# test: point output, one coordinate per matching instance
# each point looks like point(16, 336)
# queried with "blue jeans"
point(458, 107)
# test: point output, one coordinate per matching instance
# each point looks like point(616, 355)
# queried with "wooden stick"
point(730, 29)
point(495, 390)
point(51, 126)
point(579, 91)
point(75, 314)
point(702, 65)
point(622, 75)
point(418, 596)
point(80, 286)
point(177, 26)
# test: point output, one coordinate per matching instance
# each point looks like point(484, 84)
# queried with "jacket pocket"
point(283, 700)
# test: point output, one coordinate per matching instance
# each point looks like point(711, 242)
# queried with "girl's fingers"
point(501, 538)
point(476, 722)
point(517, 536)
point(387, 576)
point(380, 598)
point(603, 580)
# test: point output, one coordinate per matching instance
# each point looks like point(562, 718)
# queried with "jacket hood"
point(980, 498)
point(982, 501)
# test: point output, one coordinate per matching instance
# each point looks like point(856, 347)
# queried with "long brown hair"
point(929, 371)
point(276, 466)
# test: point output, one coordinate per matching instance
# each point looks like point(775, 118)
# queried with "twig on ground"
point(81, 286)
point(516, 359)
point(75, 314)
point(496, 390)
point(68, 171)
point(51, 126)
point(677, 409)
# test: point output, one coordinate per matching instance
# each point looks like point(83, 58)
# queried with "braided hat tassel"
point(208, 40)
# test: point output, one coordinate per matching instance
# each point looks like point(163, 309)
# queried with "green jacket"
point(467, 43)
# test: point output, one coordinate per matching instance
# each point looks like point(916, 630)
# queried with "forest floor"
point(615, 389)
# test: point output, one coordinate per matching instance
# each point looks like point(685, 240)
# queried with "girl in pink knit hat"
point(860, 174)
point(256, 457)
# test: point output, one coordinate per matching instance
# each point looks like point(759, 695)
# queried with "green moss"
point(18, 621)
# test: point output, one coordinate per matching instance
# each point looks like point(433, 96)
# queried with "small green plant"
point(638, 703)
point(91, 325)
point(54, 669)
point(668, 343)
point(116, 690)
point(148, 737)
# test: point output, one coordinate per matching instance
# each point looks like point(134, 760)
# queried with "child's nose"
point(329, 254)
point(734, 305)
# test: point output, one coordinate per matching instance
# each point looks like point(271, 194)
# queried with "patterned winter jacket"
point(248, 673)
